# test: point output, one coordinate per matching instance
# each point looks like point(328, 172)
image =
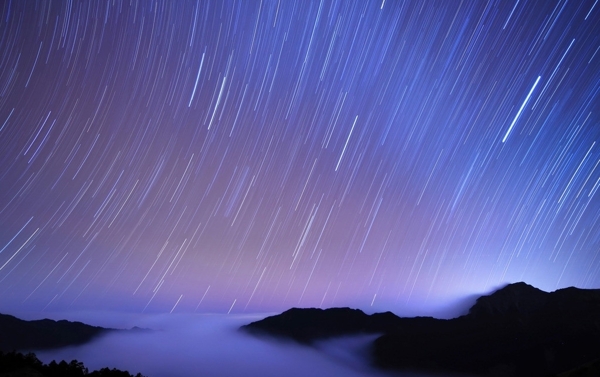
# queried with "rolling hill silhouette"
point(518, 330)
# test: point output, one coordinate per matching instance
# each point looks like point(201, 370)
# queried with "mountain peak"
point(305, 325)
point(513, 299)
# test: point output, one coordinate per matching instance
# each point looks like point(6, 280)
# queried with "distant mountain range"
point(518, 330)
point(19, 335)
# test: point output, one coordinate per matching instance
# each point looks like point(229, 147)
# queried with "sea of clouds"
point(212, 345)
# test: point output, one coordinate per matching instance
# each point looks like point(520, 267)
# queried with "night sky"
point(244, 156)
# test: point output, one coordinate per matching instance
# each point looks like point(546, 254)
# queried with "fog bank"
point(211, 345)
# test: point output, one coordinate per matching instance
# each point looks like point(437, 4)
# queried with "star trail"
point(243, 156)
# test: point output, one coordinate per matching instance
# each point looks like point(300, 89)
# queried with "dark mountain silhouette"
point(308, 325)
point(17, 334)
point(518, 330)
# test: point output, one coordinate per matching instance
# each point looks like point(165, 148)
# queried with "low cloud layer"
point(211, 345)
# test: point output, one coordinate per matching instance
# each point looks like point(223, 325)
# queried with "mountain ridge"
point(18, 334)
point(518, 330)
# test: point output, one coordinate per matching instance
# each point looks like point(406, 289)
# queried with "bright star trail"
point(520, 110)
point(243, 156)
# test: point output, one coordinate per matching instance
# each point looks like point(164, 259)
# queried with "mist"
point(212, 345)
